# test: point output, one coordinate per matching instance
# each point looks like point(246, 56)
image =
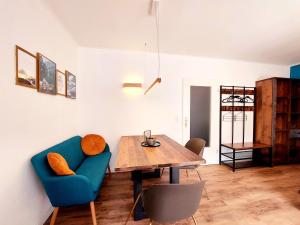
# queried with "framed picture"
point(147, 134)
point(60, 83)
point(46, 75)
point(25, 68)
point(70, 85)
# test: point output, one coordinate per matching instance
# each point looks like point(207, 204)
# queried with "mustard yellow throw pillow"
point(93, 144)
point(58, 164)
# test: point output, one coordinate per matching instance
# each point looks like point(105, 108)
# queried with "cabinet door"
point(264, 112)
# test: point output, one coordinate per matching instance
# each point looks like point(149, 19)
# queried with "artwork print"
point(25, 68)
point(60, 83)
point(70, 85)
point(46, 75)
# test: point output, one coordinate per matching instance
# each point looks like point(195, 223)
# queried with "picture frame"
point(26, 71)
point(70, 85)
point(147, 134)
point(46, 79)
point(60, 83)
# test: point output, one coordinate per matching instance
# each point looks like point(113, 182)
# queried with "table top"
point(246, 145)
point(132, 156)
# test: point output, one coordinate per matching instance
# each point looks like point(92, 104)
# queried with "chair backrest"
point(196, 145)
point(69, 149)
point(172, 202)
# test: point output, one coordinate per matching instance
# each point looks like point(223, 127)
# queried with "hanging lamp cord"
point(157, 36)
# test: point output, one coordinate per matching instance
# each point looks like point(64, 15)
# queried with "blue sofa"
point(81, 188)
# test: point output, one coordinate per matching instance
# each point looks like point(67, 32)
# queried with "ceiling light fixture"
point(155, 4)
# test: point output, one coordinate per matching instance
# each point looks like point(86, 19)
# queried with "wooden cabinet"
point(277, 120)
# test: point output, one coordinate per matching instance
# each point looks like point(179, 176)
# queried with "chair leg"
point(162, 171)
point(109, 170)
point(187, 173)
point(92, 206)
point(204, 186)
point(194, 220)
point(54, 215)
point(133, 207)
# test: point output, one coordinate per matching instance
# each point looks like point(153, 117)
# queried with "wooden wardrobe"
point(277, 118)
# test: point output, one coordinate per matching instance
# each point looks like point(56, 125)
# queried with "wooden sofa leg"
point(92, 205)
point(54, 215)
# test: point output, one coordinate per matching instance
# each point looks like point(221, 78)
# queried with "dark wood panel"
point(282, 122)
point(283, 113)
point(294, 147)
point(264, 112)
point(277, 113)
point(282, 105)
point(283, 87)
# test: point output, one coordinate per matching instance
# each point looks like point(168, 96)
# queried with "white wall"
point(107, 110)
point(30, 121)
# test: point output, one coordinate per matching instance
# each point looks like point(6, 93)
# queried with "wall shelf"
point(239, 164)
point(237, 108)
point(240, 155)
point(238, 90)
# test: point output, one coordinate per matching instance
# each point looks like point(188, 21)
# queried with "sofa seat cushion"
point(94, 168)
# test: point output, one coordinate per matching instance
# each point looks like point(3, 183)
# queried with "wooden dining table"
point(134, 158)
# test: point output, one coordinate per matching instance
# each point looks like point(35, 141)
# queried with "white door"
point(210, 152)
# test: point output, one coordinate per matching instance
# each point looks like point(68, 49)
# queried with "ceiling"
point(253, 30)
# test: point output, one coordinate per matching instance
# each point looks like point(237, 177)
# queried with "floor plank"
point(254, 196)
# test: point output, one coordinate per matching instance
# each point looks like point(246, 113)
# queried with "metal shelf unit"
point(239, 155)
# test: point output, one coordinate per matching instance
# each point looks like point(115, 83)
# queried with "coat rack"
point(235, 101)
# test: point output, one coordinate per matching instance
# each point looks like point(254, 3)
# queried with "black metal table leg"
point(157, 173)
point(148, 175)
point(137, 189)
point(233, 161)
point(151, 174)
point(174, 175)
point(270, 157)
point(137, 178)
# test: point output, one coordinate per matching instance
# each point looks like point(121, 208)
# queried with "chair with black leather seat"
point(168, 203)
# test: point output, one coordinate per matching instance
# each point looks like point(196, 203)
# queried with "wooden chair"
point(168, 203)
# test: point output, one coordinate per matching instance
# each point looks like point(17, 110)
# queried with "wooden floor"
point(256, 196)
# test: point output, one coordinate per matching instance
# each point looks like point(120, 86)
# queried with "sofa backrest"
point(69, 149)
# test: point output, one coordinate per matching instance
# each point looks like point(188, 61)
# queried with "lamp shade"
point(132, 85)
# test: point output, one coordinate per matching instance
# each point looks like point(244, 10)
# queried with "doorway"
point(200, 113)
point(207, 107)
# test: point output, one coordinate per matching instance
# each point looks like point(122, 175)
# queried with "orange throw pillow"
point(93, 144)
point(58, 164)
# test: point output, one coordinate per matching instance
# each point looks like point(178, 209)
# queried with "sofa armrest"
point(69, 190)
